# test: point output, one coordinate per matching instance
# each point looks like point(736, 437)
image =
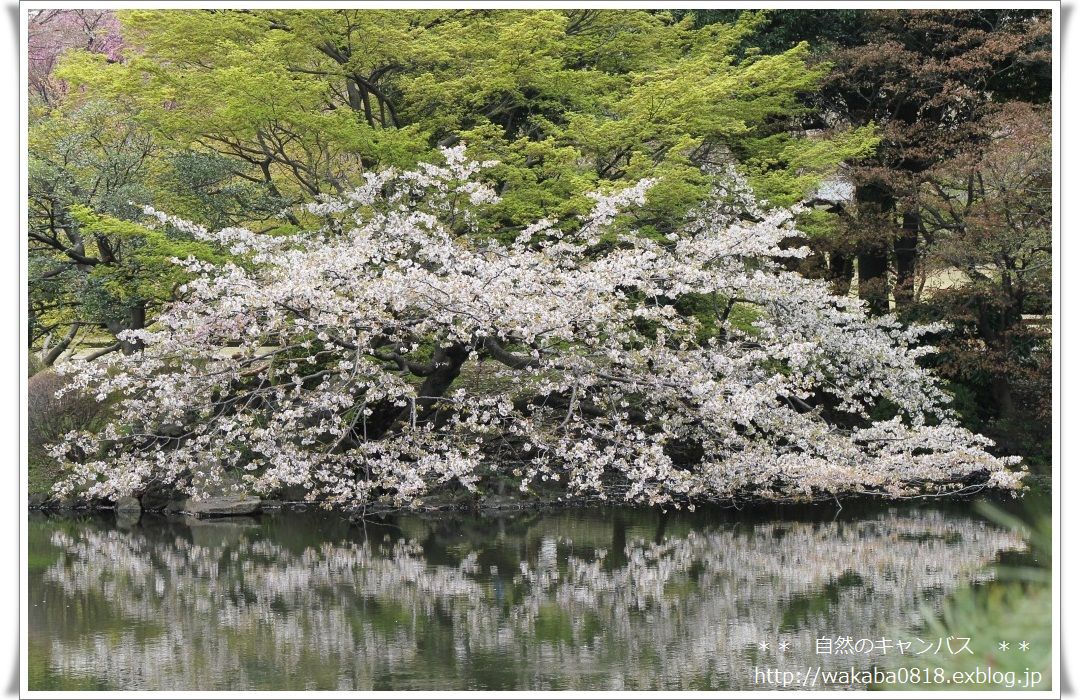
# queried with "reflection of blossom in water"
point(688, 609)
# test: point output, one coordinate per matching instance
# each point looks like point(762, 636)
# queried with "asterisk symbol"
point(764, 646)
point(783, 646)
point(1004, 646)
point(1023, 645)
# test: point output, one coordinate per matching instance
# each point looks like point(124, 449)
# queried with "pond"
point(600, 599)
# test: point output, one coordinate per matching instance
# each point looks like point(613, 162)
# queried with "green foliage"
point(143, 270)
point(83, 155)
point(965, 403)
point(205, 188)
point(778, 30)
point(90, 171)
point(92, 266)
point(784, 168)
point(714, 315)
point(305, 101)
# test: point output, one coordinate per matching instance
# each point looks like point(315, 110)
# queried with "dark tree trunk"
point(54, 354)
point(264, 165)
point(358, 100)
point(1001, 388)
point(841, 270)
point(448, 363)
point(873, 279)
point(995, 322)
point(905, 248)
point(876, 202)
point(386, 417)
point(813, 266)
point(136, 320)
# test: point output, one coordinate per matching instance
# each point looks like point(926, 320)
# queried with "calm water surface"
point(576, 599)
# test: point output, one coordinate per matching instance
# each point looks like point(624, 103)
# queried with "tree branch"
point(506, 357)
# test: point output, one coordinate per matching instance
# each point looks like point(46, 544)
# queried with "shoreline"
point(225, 507)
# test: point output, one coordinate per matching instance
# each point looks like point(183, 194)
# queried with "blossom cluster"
point(397, 350)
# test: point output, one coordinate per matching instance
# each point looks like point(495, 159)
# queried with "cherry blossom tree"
point(52, 32)
point(333, 361)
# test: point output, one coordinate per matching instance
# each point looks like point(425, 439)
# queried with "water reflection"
point(589, 600)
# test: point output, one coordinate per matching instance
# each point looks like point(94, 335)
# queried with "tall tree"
point(987, 216)
point(928, 79)
point(93, 271)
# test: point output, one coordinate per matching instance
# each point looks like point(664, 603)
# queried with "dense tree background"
point(937, 120)
point(951, 218)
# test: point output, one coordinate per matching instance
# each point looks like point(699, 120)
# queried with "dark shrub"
point(48, 419)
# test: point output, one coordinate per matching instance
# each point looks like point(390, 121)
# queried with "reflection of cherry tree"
point(686, 609)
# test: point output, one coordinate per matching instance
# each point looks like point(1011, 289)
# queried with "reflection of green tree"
point(86, 612)
point(40, 552)
point(631, 599)
point(801, 608)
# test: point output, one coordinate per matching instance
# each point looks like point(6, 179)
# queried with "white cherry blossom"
point(398, 350)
